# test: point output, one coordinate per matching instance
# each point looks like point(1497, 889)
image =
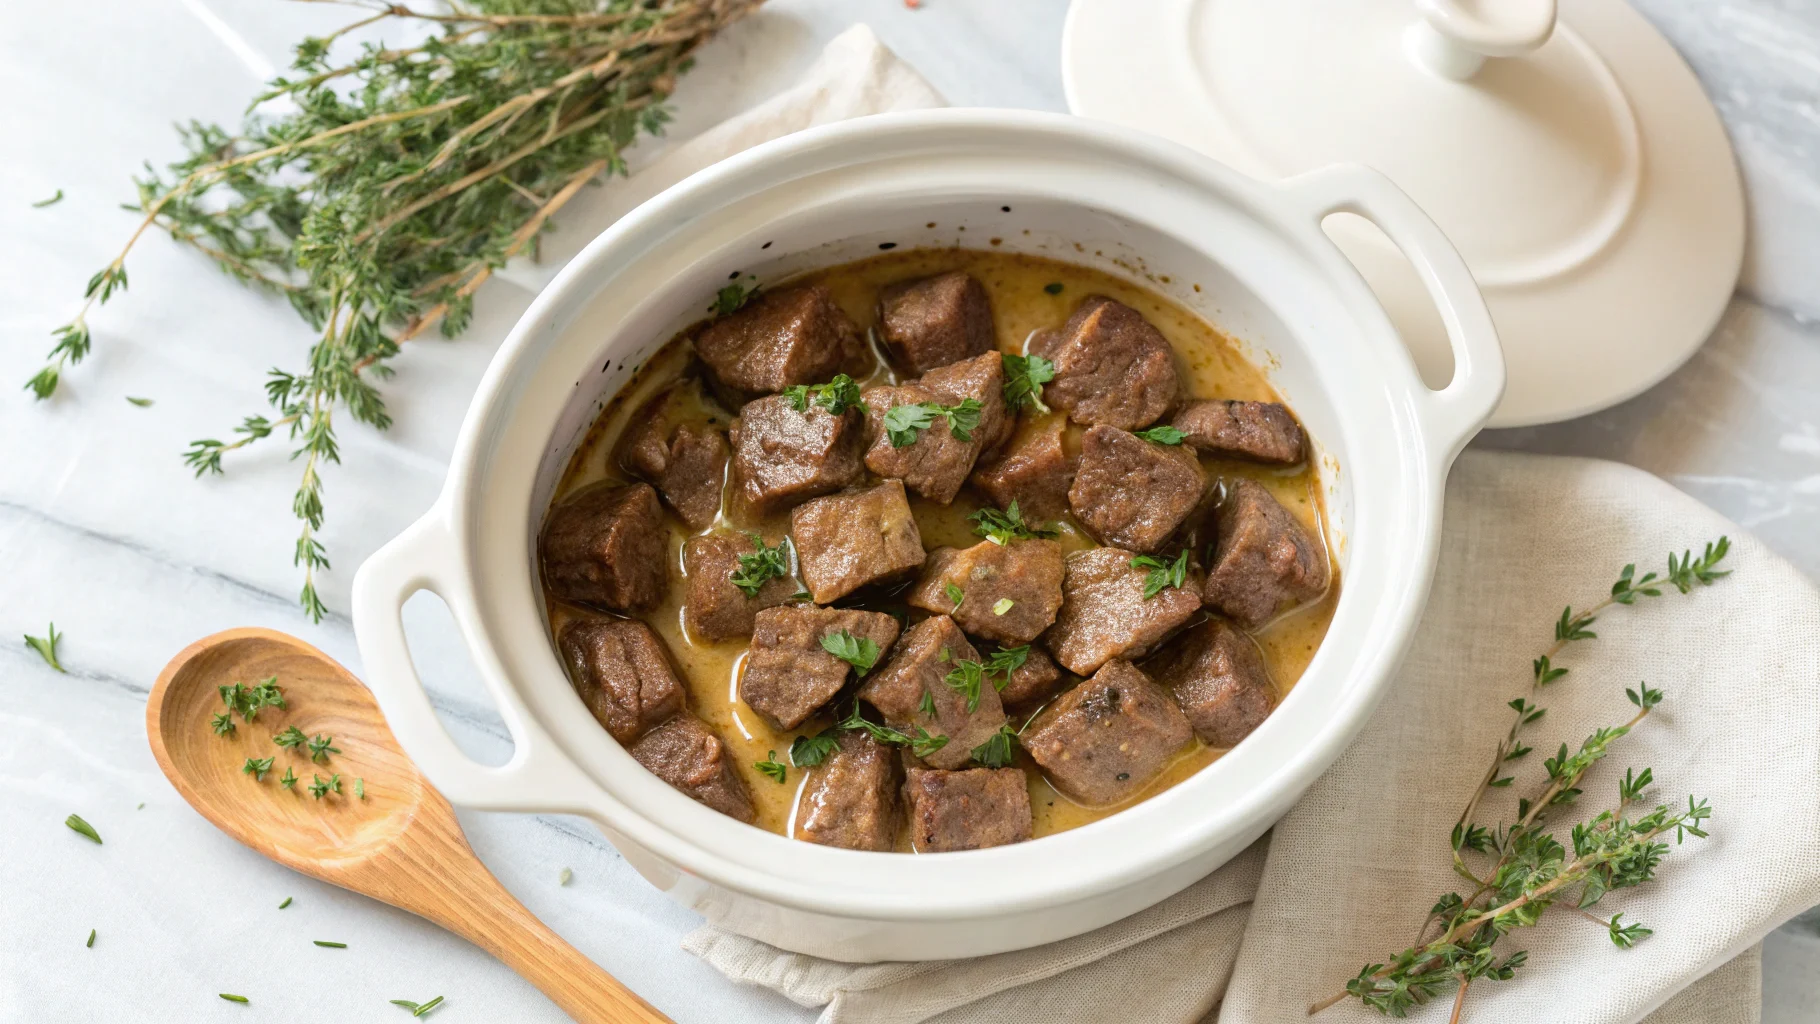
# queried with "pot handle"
point(1456, 412)
point(538, 778)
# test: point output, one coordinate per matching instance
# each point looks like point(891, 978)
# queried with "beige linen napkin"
point(1347, 876)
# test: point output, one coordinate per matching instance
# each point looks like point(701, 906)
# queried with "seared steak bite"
point(926, 671)
point(1104, 740)
point(685, 753)
point(1257, 431)
point(1030, 685)
point(622, 672)
point(1105, 614)
point(792, 336)
point(846, 541)
point(1132, 493)
point(782, 456)
point(982, 379)
point(968, 810)
point(788, 674)
point(713, 608)
point(604, 546)
point(686, 462)
point(1009, 593)
point(1219, 680)
point(1263, 558)
point(1111, 366)
point(852, 799)
point(936, 463)
point(1035, 472)
point(935, 321)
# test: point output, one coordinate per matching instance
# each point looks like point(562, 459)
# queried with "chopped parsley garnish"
point(46, 646)
point(1162, 435)
point(760, 567)
point(772, 766)
point(997, 751)
point(320, 749)
point(1024, 380)
point(734, 297)
point(1003, 605)
point(292, 737)
point(1002, 528)
point(809, 751)
point(858, 651)
point(924, 744)
point(323, 787)
point(290, 779)
point(325, 944)
point(1162, 574)
point(927, 707)
point(77, 825)
point(223, 724)
point(836, 396)
point(904, 422)
point(965, 680)
point(257, 767)
point(1005, 661)
point(955, 594)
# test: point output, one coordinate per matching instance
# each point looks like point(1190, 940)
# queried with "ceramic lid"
point(1573, 160)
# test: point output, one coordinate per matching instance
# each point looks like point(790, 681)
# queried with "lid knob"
point(1452, 38)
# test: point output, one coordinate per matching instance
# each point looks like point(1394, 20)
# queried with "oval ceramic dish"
point(1249, 257)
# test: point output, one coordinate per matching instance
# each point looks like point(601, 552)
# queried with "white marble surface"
point(103, 530)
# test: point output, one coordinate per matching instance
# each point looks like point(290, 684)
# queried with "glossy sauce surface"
point(1024, 300)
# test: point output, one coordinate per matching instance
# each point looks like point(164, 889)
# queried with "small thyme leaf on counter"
point(809, 751)
point(955, 594)
point(1024, 380)
point(143, 403)
point(286, 903)
point(230, 997)
point(772, 767)
point(46, 646)
point(329, 945)
point(321, 747)
point(1162, 573)
point(80, 827)
point(91, 936)
point(836, 396)
point(997, 751)
point(858, 651)
point(1002, 528)
point(257, 767)
point(759, 567)
point(566, 877)
point(417, 1009)
point(42, 203)
point(223, 724)
point(1162, 435)
point(291, 737)
point(290, 779)
point(965, 679)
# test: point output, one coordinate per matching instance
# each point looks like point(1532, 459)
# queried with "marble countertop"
point(103, 530)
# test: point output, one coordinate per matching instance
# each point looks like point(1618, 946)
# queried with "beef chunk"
point(846, 541)
point(968, 810)
point(1035, 472)
point(1257, 431)
point(851, 799)
point(685, 753)
point(1104, 740)
point(935, 321)
point(623, 673)
point(936, 463)
point(1263, 557)
point(782, 456)
point(604, 546)
point(919, 666)
point(982, 379)
point(685, 461)
point(1219, 680)
point(1132, 493)
point(1027, 573)
point(1105, 614)
point(1111, 366)
point(1030, 685)
point(787, 673)
point(791, 336)
point(713, 608)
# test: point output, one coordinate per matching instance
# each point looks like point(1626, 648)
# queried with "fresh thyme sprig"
point(394, 185)
point(1531, 869)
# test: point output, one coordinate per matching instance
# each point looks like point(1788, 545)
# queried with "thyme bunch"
point(395, 185)
point(1529, 868)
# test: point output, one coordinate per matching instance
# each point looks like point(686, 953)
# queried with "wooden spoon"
point(400, 843)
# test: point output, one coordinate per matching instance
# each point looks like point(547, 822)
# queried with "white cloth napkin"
point(1347, 876)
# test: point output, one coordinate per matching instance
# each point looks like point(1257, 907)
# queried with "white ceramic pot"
point(1248, 256)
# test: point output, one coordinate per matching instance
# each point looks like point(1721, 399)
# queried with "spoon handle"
point(470, 902)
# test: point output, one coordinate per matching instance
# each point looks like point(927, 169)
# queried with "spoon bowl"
point(385, 832)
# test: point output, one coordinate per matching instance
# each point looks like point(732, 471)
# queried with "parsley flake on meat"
point(904, 422)
point(1162, 574)
point(927, 707)
point(997, 751)
point(760, 567)
point(1162, 435)
point(733, 298)
point(924, 744)
point(858, 651)
point(809, 751)
point(1002, 528)
point(772, 767)
point(1005, 661)
point(965, 680)
point(836, 396)
point(1003, 605)
point(955, 594)
point(1024, 380)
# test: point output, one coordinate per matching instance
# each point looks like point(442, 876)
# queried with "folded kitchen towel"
point(1347, 877)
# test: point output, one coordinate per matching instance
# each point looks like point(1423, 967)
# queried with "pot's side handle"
point(1454, 413)
point(538, 778)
